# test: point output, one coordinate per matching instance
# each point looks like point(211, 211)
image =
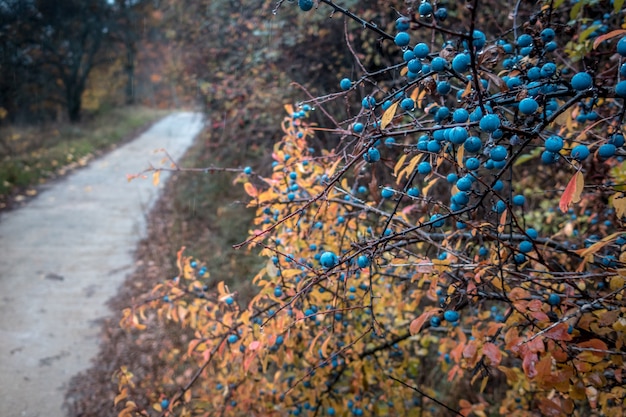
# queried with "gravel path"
point(63, 256)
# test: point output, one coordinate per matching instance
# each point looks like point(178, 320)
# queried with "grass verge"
point(31, 156)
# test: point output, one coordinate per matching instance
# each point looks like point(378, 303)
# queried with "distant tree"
point(48, 49)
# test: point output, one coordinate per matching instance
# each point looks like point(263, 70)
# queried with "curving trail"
point(63, 256)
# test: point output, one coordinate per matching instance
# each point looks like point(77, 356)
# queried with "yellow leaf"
point(156, 175)
point(289, 109)
point(460, 154)
point(429, 186)
point(618, 200)
point(388, 115)
point(290, 273)
point(598, 245)
point(483, 384)
point(411, 167)
point(399, 164)
point(420, 99)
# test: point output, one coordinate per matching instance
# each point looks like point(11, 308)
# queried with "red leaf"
point(559, 332)
point(572, 192)
point(493, 353)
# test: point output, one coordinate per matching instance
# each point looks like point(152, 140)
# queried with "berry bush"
point(455, 244)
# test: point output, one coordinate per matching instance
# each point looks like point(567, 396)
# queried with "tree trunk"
point(74, 104)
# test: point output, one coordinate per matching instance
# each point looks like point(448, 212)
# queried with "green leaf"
point(527, 157)
point(573, 14)
point(617, 5)
point(583, 36)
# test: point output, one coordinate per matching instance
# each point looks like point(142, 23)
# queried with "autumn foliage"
point(448, 249)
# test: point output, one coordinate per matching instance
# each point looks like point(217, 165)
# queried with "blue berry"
point(372, 155)
point(620, 88)
point(413, 192)
point(524, 40)
point(438, 64)
point(305, 5)
point(532, 233)
point(345, 84)
point(580, 152)
point(363, 261)
point(464, 184)
point(425, 9)
point(414, 65)
point(402, 39)
point(489, 123)
point(478, 39)
point(421, 50)
point(621, 47)
point(528, 105)
point(581, 81)
point(403, 23)
point(387, 192)
point(525, 246)
point(606, 151)
point(328, 259)
point(554, 300)
point(443, 87)
point(437, 220)
point(472, 164)
point(424, 168)
point(498, 153)
point(473, 144)
point(278, 291)
point(519, 200)
point(451, 315)
point(461, 63)
point(407, 104)
point(554, 144)
point(549, 158)
point(547, 35)
point(460, 115)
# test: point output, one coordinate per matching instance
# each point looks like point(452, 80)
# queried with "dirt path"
point(62, 257)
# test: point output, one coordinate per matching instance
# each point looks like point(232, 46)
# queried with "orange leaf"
point(606, 36)
point(597, 346)
point(417, 324)
point(388, 115)
point(251, 190)
point(572, 192)
point(156, 175)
